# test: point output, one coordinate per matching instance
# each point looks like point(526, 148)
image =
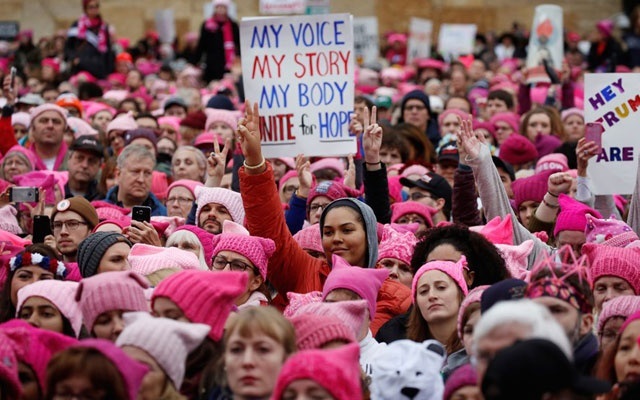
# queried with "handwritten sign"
point(613, 101)
point(456, 39)
point(300, 70)
point(546, 42)
point(282, 7)
point(365, 39)
point(419, 45)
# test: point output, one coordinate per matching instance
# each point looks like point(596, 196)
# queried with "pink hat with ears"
point(80, 127)
point(299, 300)
point(399, 210)
point(60, 293)
point(453, 270)
point(185, 183)
point(516, 258)
point(474, 296)
point(309, 238)
point(609, 232)
point(35, 112)
point(397, 245)
point(317, 331)
point(572, 215)
point(328, 163)
point(204, 237)
point(146, 259)
point(123, 122)
point(461, 114)
point(613, 261)
point(350, 312)
point(28, 154)
point(236, 238)
point(498, 231)
point(225, 116)
point(508, 117)
point(94, 107)
point(109, 211)
point(395, 188)
point(39, 179)
point(173, 122)
point(365, 282)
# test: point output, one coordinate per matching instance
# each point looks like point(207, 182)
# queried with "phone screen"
point(593, 133)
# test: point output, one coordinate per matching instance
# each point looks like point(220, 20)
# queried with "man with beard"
point(72, 221)
point(216, 205)
point(134, 172)
point(84, 163)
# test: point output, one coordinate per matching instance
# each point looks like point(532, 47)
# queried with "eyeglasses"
point(71, 225)
point(180, 200)
point(418, 196)
point(314, 207)
point(221, 263)
point(290, 188)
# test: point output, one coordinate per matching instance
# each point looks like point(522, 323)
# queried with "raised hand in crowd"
point(249, 139)
point(585, 151)
point(560, 182)
point(7, 91)
point(371, 139)
point(469, 144)
point(350, 173)
point(303, 168)
point(216, 162)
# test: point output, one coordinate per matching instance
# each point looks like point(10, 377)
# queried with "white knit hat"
point(228, 198)
point(146, 259)
point(169, 342)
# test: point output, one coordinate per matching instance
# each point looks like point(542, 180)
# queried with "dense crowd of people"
point(150, 251)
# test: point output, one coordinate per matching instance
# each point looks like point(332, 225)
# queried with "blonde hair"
point(266, 320)
point(189, 237)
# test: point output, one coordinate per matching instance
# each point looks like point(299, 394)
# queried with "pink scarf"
point(85, 23)
point(213, 25)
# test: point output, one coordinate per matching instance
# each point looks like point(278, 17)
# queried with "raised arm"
point(376, 186)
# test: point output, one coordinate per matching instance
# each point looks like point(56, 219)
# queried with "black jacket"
point(211, 44)
point(90, 58)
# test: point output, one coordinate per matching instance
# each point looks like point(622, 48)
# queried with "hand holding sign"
point(249, 138)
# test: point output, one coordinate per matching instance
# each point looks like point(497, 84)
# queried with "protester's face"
point(147, 122)
point(450, 124)
point(390, 156)
point(476, 70)
point(224, 131)
point(116, 140)
point(231, 257)
point(13, 165)
point(279, 168)
point(609, 287)
point(69, 239)
point(134, 80)
point(25, 276)
point(115, 258)
point(460, 104)
point(411, 218)
point(447, 169)
point(458, 80)
point(175, 111)
point(190, 246)
point(101, 119)
point(290, 186)
point(564, 313)
point(185, 166)
point(539, 124)
point(168, 131)
point(306, 389)
point(318, 204)
point(416, 113)
point(343, 234)
point(135, 177)
point(212, 216)
point(154, 381)
point(574, 127)
point(253, 364)
point(29, 382)
point(506, 182)
point(399, 270)
point(166, 146)
point(48, 128)
point(359, 109)
point(437, 297)
point(503, 131)
point(41, 313)
point(627, 359)
point(575, 239)
point(526, 210)
point(467, 393)
point(444, 252)
point(425, 197)
point(495, 106)
point(179, 202)
point(83, 166)
point(76, 386)
point(467, 330)
point(20, 131)
point(50, 96)
point(610, 331)
point(163, 307)
point(497, 339)
point(109, 325)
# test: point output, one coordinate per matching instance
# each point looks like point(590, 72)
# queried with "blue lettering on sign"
point(324, 93)
point(332, 124)
point(273, 96)
point(263, 38)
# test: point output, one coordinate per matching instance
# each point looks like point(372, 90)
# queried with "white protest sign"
point(456, 39)
point(165, 25)
point(419, 45)
point(546, 42)
point(613, 101)
point(300, 71)
point(365, 39)
point(282, 7)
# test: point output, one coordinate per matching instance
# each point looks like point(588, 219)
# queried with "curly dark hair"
point(483, 257)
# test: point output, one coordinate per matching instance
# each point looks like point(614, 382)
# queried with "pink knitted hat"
point(203, 296)
point(609, 232)
point(572, 111)
point(94, 107)
point(621, 306)
point(459, 113)
point(320, 366)
point(9, 368)
point(531, 188)
point(315, 331)
point(556, 162)
point(572, 215)
point(473, 297)
point(398, 245)
point(516, 258)
point(29, 155)
point(173, 122)
point(80, 127)
point(109, 211)
point(508, 117)
point(289, 161)
point(169, 342)
point(328, 163)
point(309, 238)
point(228, 198)
point(9, 220)
point(517, 150)
point(453, 270)
point(415, 169)
point(225, 116)
point(412, 207)
point(35, 346)
point(123, 122)
point(39, 179)
point(614, 261)
point(36, 111)
point(364, 282)
point(332, 189)
point(547, 144)
point(205, 238)
point(185, 183)
point(60, 294)
point(146, 259)
point(132, 371)
point(288, 175)
point(21, 118)
point(123, 290)
point(499, 230)
point(350, 312)
point(236, 238)
point(298, 300)
point(461, 377)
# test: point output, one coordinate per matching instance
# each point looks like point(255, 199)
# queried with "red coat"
point(290, 268)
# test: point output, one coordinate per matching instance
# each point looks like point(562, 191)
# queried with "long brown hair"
point(557, 129)
point(418, 328)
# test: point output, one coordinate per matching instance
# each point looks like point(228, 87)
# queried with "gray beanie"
point(92, 249)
